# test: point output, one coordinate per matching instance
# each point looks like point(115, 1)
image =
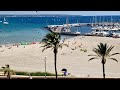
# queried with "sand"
point(31, 58)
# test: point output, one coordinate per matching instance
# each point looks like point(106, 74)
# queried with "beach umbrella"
point(64, 69)
point(33, 42)
point(24, 43)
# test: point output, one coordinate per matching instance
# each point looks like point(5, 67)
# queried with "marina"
point(98, 29)
point(64, 29)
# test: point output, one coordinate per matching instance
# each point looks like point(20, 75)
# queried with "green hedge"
point(21, 73)
point(42, 74)
point(35, 73)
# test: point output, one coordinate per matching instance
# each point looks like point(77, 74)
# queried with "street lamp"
point(45, 66)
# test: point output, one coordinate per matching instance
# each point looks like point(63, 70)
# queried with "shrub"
point(22, 73)
point(35, 73)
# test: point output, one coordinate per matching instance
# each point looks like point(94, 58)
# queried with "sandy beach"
point(31, 58)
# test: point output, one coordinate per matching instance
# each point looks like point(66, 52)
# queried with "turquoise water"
point(13, 33)
point(29, 29)
point(27, 32)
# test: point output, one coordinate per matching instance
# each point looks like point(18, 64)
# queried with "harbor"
point(97, 29)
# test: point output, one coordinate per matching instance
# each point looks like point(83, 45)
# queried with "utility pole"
point(45, 66)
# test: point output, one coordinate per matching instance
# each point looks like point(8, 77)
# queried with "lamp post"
point(45, 66)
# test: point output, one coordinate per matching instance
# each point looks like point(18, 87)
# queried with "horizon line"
point(59, 14)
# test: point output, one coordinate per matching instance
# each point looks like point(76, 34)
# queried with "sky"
point(85, 13)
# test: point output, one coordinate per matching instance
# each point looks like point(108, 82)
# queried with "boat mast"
point(77, 27)
point(92, 21)
point(67, 21)
point(4, 19)
point(111, 19)
point(100, 19)
point(96, 20)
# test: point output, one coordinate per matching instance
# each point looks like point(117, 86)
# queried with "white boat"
point(77, 32)
point(5, 22)
point(117, 35)
point(67, 31)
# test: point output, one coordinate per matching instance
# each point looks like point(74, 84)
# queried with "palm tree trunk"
point(103, 68)
point(55, 55)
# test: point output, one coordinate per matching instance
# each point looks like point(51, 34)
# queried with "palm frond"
point(47, 44)
point(92, 58)
point(7, 65)
point(3, 67)
point(102, 49)
point(46, 48)
point(44, 45)
point(66, 45)
point(108, 50)
point(92, 55)
point(62, 44)
point(51, 40)
point(44, 39)
point(114, 54)
point(52, 48)
point(97, 51)
point(114, 59)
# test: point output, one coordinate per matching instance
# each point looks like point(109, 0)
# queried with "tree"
point(103, 52)
point(52, 40)
point(8, 71)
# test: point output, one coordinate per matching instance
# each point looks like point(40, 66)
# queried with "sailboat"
point(77, 32)
point(5, 22)
point(66, 30)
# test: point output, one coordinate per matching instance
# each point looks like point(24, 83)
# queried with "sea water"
point(30, 28)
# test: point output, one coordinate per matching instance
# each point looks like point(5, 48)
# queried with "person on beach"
point(30, 77)
point(64, 72)
point(17, 45)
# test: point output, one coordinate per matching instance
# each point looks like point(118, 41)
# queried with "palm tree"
point(52, 40)
point(8, 71)
point(103, 52)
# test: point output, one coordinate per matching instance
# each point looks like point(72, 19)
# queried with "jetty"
point(81, 24)
point(104, 28)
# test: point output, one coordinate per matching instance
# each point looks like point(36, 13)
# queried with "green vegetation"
point(103, 52)
point(85, 50)
point(21, 73)
point(8, 71)
point(42, 74)
point(1, 70)
point(52, 40)
point(35, 73)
